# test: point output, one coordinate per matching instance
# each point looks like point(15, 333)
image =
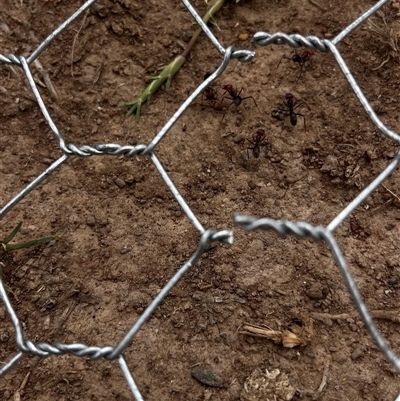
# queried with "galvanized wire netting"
point(207, 236)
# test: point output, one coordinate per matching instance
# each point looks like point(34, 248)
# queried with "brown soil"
point(124, 235)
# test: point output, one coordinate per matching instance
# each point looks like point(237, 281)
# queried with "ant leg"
point(304, 120)
point(283, 57)
point(226, 109)
point(298, 104)
point(238, 93)
point(251, 142)
point(285, 105)
point(250, 97)
point(248, 155)
point(226, 97)
point(301, 70)
point(280, 61)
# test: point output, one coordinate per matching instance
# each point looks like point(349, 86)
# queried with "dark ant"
point(258, 140)
point(209, 92)
point(291, 104)
point(234, 95)
point(301, 59)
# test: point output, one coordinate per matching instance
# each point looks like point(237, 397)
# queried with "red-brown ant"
point(301, 59)
point(234, 95)
point(291, 104)
point(257, 141)
point(209, 92)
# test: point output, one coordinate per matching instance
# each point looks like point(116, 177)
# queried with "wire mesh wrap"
point(207, 236)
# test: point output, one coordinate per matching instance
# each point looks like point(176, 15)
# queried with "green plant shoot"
point(5, 245)
point(171, 69)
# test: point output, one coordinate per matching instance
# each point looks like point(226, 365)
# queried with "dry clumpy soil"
point(124, 236)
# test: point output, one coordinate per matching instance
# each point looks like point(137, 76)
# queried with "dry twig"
point(323, 383)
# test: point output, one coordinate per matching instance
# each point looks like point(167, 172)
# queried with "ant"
point(258, 140)
point(301, 59)
point(291, 104)
point(234, 95)
point(210, 93)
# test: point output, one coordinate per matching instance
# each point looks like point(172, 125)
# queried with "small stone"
point(243, 36)
point(315, 292)
point(125, 250)
point(330, 165)
point(120, 182)
point(238, 138)
point(357, 353)
point(130, 179)
point(252, 185)
point(90, 221)
point(7, 395)
point(207, 376)
point(393, 281)
point(4, 336)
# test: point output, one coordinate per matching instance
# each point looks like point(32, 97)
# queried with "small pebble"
point(252, 185)
point(130, 179)
point(125, 250)
point(207, 376)
point(315, 292)
point(238, 138)
point(120, 182)
point(243, 36)
point(357, 353)
point(90, 221)
point(393, 281)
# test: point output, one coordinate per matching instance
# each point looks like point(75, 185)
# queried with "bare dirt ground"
point(124, 235)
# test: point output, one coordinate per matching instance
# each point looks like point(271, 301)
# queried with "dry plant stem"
point(171, 69)
point(74, 42)
point(6, 247)
point(17, 394)
point(46, 79)
point(392, 193)
point(323, 383)
point(256, 331)
point(392, 315)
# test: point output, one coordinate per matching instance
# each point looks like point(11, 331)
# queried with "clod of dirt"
point(331, 165)
point(315, 292)
point(207, 376)
point(252, 185)
point(120, 182)
point(243, 36)
point(271, 385)
point(90, 221)
point(357, 353)
point(238, 138)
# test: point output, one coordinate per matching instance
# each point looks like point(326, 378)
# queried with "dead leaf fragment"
point(290, 340)
point(271, 385)
point(285, 337)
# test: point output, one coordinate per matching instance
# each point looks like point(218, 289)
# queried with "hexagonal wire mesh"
point(301, 229)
